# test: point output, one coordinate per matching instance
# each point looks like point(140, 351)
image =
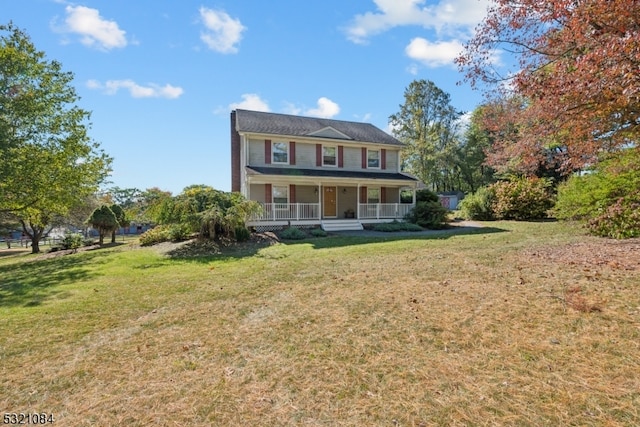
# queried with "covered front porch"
point(329, 203)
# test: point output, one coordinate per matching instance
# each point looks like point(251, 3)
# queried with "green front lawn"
point(513, 324)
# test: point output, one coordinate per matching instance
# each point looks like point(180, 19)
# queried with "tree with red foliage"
point(578, 80)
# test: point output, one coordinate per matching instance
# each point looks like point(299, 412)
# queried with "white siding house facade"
point(310, 171)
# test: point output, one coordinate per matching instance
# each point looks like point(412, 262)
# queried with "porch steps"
point(342, 225)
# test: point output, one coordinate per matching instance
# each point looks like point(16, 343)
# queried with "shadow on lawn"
point(339, 239)
point(206, 252)
point(32, 282)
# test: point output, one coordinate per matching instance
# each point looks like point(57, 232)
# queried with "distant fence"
point(25, 242)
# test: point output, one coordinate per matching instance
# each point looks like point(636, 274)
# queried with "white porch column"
point(320, 200)
point(358, 202)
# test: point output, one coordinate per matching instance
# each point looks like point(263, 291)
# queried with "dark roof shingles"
point(288, 125)
point(329, 173)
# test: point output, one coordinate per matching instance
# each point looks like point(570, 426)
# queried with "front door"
point(329, 202)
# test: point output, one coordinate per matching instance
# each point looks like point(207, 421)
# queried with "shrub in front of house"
point(292, 233)
point(242, 234)
point(318, 232)
point(428, 211)
point(390, 227)
point(431, 215)
point(426, 196)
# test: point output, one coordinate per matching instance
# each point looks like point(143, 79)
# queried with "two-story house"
point(311, 171)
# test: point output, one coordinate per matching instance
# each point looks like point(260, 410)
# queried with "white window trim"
point(379, 194)
point(379, 158)
point(273, 188)
point(273, 152)
point(336, 157)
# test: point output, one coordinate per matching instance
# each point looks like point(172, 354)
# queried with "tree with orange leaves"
point(577, 81)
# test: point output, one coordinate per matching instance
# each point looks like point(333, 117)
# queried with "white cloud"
point(94, 30)
point(464, 121)
point(251, 101)
point(433, 54)
point(222, 33)
point(152, 90)
point(291, 108)
point(326, 109)
point(365, 118)
point(94, 84)
point(447, 16)
point(412, 69)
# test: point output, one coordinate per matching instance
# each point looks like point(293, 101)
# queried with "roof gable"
point(311, 127)
point(329, 132)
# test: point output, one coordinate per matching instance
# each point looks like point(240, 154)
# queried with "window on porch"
point(373, 195)
point(280, 194)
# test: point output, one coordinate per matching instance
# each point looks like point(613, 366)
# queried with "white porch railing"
point(383, 210)
point(311, 211)
point(288, 211)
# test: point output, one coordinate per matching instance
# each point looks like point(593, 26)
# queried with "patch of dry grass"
point(480, 329)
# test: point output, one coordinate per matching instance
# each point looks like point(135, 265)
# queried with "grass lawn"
point(525, 324)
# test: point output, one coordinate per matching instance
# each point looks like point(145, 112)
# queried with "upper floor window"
point(280, 152)
point(373, 159)
point(329, 156)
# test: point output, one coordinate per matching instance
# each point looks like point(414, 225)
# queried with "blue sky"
point(160, 77)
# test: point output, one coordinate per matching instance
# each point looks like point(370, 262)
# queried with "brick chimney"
point(235, 154)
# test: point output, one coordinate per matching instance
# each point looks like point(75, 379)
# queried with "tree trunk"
point(35, 233)
point(101, 239)
point(35, 245)
point(113, 236)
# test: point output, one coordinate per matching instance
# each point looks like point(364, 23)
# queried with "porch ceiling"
point(264, 172)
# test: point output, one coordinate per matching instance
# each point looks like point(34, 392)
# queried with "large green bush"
point(72, 241)
point(242, 234)
point(479, 205)
point(428, 211)
point(588, 195)
point(155, 235)
point(621, 220)
point(606, 198)
point(208, 212)
point(292, 233)
point(425, 195)
point(522, 198)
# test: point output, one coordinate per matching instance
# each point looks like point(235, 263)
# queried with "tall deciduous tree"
point(577, 69)
point(147, 205)
point(428, 124)
point(472, 154)
point(48, 163)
